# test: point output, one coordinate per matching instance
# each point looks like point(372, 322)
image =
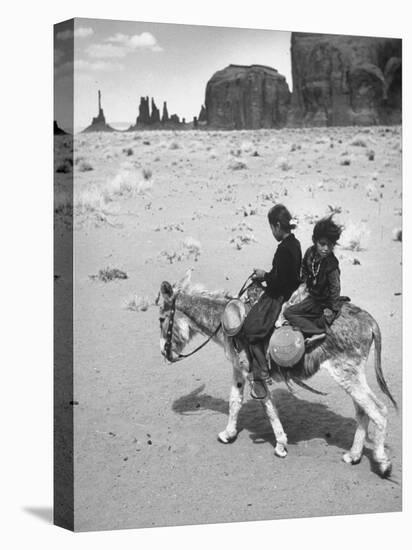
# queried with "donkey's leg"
point(281, 437)
point(229, 434)
point(351, 377)
point(377, 412)
point(355, 454)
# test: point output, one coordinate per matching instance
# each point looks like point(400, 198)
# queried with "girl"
point(320, 272)
point(281, 281)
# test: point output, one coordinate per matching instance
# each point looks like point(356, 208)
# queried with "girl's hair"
point(280, 214)
point(326, 228)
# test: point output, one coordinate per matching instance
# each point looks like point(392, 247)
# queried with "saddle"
point(286, 346)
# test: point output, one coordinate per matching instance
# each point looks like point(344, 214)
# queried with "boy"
point(321, 273)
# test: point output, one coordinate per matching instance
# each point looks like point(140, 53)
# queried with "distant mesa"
point(338, 80)
point(341, 80)
point(99, 122)
point(246, 97)
point(149, 117)
point(57, 131)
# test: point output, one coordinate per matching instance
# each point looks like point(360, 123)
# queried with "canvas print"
point(228, 274)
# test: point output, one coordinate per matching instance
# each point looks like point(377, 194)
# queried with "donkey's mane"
point(200, 290)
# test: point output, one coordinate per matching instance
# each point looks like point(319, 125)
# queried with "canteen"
point(233, 317)
point(286, 346)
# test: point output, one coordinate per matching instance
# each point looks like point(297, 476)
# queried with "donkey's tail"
point(378, 363)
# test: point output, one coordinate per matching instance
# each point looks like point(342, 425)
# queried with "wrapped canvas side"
point(63, 275)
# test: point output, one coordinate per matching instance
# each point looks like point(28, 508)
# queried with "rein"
point(169, 333)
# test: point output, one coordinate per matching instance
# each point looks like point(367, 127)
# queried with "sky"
point(169, 62)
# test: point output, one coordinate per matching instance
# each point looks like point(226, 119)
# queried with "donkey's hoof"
point(348, 458)
point(223, 437)
point(281, 451)
point(385, 469)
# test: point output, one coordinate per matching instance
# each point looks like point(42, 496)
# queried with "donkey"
point(187, 309)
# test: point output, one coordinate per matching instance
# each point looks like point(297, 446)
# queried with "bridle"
point(169, 332)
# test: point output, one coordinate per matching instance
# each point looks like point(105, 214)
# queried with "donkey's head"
point(175, 328)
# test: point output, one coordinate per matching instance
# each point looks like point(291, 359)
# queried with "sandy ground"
point(146, 452)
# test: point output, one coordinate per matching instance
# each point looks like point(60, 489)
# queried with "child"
point(320, 272)
point(281, 281)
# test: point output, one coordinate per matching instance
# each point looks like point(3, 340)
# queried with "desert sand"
point(153, 204)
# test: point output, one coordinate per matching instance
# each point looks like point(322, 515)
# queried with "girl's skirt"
point(261, 319)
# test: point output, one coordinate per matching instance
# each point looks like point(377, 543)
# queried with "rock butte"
point(241, 96)
point(57, 131)
point(341, 80)
point(149, 117)
point(99, 122)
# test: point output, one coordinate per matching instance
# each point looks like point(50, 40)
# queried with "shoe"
point(258, 389)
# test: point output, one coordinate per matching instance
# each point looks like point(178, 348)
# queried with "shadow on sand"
point(302, 420)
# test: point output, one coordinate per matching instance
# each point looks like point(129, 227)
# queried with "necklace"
point(315, 271)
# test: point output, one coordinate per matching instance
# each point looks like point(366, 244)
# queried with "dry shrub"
point(84, 166)
point(88, 205)
point(247, 210)
point(372, 191)
point(119, 186)
point(127, 184)
point(109, 274)
point(88, 200)
point(355, 236)
point(243, 235)
point(171, 227)
point(397, 234)
point(284, 165)
point(190, 250)
point(147, 174)
point(237, 165)
point(247, 147)
point(65, 166)
point(137, 303)
point(359, 141)
point(271, 196)
point(63, 202)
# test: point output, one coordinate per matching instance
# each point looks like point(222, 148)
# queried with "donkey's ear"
point(186, 279)
point(166, 291)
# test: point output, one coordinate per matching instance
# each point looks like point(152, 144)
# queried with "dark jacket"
point(322, 280)
point(284, 277)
